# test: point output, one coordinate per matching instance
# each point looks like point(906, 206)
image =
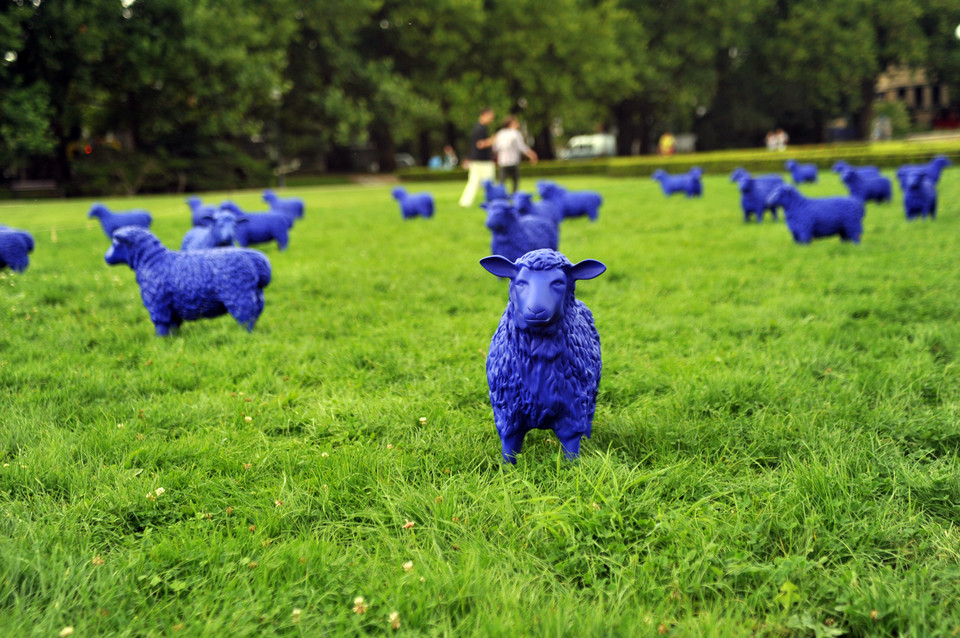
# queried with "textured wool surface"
point(868, 186)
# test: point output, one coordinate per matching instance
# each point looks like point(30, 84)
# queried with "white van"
point(585, 146)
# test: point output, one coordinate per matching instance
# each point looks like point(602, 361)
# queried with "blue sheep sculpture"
point(513, 235)
point(754, 192)
point(260, 228)
point(810, 218)
point(526, 206)
point(184, 286)
point(867, 186)
point(801, 172)
point(493, 190)
point(413, 204)
point(571, 203)
point(110, 221)
point(840, 167)
point(15, 248)
point(216, 230)
point(688, 183)
point(199, 210)
point(292, 206)
point(919, 196)
point(931, 169)
point(543, 366)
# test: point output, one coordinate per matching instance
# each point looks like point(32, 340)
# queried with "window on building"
point(937, 95)
point(918, 97)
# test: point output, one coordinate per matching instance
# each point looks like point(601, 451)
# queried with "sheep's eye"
point(520, 283)
point(559, 284)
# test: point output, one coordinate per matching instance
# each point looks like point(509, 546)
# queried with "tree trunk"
point(543, 144)
point(626, 129)
point(863, 118)
point(424, 148)
point(385, 149)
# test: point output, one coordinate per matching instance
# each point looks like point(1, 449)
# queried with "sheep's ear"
point(207, 220)
point(499, 266)
point(587, 269)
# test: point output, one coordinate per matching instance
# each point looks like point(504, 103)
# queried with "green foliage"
point(898, 115)
point(774, 451)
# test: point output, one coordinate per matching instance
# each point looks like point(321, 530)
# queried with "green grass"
point(775, 449)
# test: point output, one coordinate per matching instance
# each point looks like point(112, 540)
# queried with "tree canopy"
point(202, 87)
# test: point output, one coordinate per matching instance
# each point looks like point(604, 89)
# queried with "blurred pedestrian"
point(508, 144)
point(667, 144)
point(449, 158)
point(480, 156)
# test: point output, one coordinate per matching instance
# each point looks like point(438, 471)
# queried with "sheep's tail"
point(262, 266)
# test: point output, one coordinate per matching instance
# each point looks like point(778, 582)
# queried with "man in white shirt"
point(508, 144)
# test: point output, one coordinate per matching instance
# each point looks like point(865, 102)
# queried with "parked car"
point(587, 146)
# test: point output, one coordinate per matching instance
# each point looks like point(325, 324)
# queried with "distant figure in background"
point(480, 156)
point(508, 144)
point(450, 158)
point(667, 144)
point(781, 139)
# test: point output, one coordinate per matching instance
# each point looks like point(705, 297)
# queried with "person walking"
point(480, 157)
point(508, 144)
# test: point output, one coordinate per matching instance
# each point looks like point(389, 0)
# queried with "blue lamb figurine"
point(808, 219)
point(754, 192)
point(260, 228)
point(110, 221)
point(513, 234)
point(184, 286)
point(199, 210)
point(867, 186)
point(413, 204)
point(492, 190)
point(801, 172)
point(15, 246)
point(919, 196)
point(215, 231)
point(931, 169)
point(571, 203)
point(688, 183)
point(543, 367)
point(292, 206)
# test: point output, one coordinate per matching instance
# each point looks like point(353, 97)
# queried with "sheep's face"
point(523, 202)
point(913, 182)
point(499, 213)
point(398, 193)
point(538, 296)
point(224, 227)
point(97, 210)
point(117, 253)
point(779, 195)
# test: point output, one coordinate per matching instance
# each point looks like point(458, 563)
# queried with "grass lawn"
point(775, 449)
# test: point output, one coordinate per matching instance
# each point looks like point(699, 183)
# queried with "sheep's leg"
point(571, 446)
point(282, 240)
point(245, 307)
point(512, 444)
